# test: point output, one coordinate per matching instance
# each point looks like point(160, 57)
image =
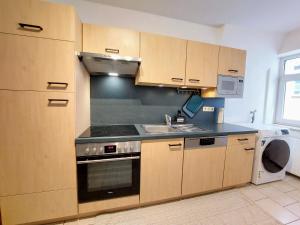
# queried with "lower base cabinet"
point(161, 169)
point(203, 170)
point(28, 208)
point(239, 160)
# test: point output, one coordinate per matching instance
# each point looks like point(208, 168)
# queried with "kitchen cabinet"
point(38, 19)
point(232, 61)
point(201, 64)
point(163, 60)
point(30, 208)
point(203, 169)
point(161, 169)
point(36, 64)
point(110, 40)
point(239, 160)
point(37, 151)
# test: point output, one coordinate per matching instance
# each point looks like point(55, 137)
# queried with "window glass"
point(292, 66)
point(292, 101)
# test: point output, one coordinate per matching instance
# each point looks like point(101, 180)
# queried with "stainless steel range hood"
point(99, 64)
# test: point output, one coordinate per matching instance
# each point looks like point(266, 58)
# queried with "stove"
point(109, 131)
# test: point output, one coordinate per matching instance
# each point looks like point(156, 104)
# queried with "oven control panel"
point(89, 149)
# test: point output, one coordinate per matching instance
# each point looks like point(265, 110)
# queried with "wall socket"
point(208, 109)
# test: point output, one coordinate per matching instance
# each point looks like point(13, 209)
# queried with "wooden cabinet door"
point(40, 19)
point(35, 207)
point(239, 160)
point(232, 61)
point(37, 151)
point(31, 63)
point(110, 40)
point(203, 170)
point(161, 169)
point(163, 60)
point(201, 64)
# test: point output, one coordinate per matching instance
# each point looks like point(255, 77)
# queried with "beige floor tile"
point(294, 194)
point(294, 208)
point(252, 193)
point(71, 222)
point(277, 196)
point(277, 211)
point(283, 186)
point(293, 181)
point(87, 221)
point(295, 223)
point(269, 222)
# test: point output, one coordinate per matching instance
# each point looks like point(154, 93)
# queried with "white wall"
point(291, 43)
point(261, 49)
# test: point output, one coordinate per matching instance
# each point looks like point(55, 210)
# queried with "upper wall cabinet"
point(201, 64)
point(110, 41)
point(37, 18)
point(36, 64)
point(232, 61)
point(163, 60)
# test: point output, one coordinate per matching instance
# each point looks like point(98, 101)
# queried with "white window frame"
point(281, 92)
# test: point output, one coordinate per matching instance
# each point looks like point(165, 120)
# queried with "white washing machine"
point(272, 153)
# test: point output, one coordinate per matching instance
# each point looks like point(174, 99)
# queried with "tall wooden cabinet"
point(37, 84)
point(161, 169)
point(163, 60)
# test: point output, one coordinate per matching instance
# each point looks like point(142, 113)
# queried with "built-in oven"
point(107, 170)
point(230, 86)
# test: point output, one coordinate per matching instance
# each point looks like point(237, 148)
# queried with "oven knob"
point(131, 148)
point(94, 150)
point(101, 149)
point(87, 150)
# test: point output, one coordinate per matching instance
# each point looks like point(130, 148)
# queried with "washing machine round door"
point(276, 155)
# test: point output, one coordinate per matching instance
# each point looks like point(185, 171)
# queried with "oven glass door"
point(108, 177)
point(227, 85)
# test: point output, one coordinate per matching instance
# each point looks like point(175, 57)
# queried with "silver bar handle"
point(107, 160)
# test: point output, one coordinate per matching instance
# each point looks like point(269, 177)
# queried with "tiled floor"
point(269, 204)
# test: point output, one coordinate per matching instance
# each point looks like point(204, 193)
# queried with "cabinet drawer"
point(110, 40)
point(247, 140)
point(30, 63)
point(37, 18)
point(37, 151)
point(36, 207)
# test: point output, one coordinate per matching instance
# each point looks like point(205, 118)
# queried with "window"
point(288, 104)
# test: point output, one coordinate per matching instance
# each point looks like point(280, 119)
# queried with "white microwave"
point(230, 86)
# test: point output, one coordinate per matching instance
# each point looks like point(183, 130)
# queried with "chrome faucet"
point(252, 115)
point(168, 120)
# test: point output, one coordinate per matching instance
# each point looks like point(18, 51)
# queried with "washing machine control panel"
point(285, 132)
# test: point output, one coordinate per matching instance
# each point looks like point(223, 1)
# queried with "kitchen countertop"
point(209, 130)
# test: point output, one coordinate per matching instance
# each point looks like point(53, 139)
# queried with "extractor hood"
point(99, 64)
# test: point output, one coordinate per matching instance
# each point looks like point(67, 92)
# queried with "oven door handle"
point(107, 160)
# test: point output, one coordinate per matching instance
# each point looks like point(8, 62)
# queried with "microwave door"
point(227, 85)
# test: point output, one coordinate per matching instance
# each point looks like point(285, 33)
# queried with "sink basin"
point(163, 129)
point(157, 129)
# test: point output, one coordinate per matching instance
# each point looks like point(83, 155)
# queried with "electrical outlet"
point(208, 109)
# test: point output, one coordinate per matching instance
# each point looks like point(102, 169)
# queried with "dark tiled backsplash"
point(116, 100)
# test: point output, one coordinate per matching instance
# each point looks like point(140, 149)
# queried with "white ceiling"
point(269, 15)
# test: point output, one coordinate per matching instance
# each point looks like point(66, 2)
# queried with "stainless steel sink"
point(158, 129)
point(164, 129)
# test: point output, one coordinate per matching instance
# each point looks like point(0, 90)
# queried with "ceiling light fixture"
point(113, 74)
